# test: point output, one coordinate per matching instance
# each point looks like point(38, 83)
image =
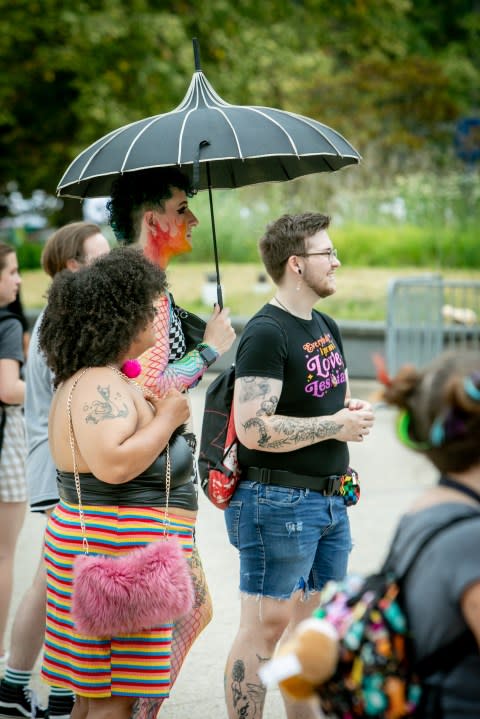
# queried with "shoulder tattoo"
point(105, 408)
point(253, 387)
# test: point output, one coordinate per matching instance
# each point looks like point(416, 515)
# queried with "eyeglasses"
point(332, 254)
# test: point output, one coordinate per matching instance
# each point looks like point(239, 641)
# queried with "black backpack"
point(218, 466)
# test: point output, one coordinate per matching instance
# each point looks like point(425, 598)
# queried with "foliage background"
point(394, 76)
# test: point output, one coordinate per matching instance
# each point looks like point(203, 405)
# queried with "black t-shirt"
point(307, 356)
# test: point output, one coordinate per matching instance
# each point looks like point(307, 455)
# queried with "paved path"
point(391, 477)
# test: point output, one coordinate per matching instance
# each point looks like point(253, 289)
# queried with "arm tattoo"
point(264, 437)
point(294, 432)
point(268, 407)
point(105, 408)
point(251, 388)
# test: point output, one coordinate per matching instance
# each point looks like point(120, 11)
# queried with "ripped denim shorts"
point(288, 539)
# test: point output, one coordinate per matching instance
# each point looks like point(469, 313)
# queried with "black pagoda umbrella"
point(218, 145)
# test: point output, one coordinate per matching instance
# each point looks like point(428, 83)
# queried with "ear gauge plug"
point(299, 271)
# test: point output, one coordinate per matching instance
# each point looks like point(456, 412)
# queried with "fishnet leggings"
point(185, 631)
point(159, 374)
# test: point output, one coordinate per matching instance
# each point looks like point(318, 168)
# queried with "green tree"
point(392, 75)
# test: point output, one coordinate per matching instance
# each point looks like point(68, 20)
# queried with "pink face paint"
point(163, 244)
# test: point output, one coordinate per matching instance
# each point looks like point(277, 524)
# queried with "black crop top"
point(146, 490)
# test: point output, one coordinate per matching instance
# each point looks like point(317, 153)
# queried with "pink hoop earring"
point(131, 368)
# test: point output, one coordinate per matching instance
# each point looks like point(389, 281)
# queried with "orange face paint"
point(166, 242)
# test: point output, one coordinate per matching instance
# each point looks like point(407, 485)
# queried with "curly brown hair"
point(93, 315)
point(439, 394)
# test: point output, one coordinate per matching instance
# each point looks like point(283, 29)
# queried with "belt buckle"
point(264, 475)
point(334, 482)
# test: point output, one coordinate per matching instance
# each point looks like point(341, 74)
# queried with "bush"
point(393, 246)
point(28, 255)
point(420, 220)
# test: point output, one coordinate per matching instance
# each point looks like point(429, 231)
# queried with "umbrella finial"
point(196, 54)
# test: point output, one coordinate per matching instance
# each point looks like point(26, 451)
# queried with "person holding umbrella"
point(150, 208)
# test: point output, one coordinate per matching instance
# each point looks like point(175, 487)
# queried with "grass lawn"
point(361, 291)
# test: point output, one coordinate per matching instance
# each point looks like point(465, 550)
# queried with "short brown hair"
point(66, 244)
point(5, 250)
point(286, 237)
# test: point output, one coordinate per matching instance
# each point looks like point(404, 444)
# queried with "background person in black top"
point(294, 417)
point(13, 491)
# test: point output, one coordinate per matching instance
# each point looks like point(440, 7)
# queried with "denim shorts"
point(288, 539)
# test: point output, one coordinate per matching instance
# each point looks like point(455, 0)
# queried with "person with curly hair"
point(440, 419)
point(95, 319)
point(150, 209)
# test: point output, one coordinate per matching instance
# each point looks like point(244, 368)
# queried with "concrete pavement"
point(391, 476)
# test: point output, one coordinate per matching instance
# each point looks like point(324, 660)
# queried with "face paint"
point(170, 234)
point(163, 244)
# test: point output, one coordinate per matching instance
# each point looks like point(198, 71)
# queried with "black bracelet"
point(207, 353)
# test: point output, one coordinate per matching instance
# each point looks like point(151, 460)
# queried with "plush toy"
point(307, 659)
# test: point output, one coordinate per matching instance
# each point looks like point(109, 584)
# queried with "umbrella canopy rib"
point(227, 120)
point(207, 89)
point(314, 126)
point(180, 136)
point(189, 94)
point(137, 137)
point(217, 144)
point(261, 112)
point(106, 139)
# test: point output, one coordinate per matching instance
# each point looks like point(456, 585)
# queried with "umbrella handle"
point(215, 249)
point(214, 238)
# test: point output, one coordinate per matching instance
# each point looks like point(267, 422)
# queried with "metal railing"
point(426, 315)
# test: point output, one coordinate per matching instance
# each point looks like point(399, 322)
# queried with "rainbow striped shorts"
point(127, 665)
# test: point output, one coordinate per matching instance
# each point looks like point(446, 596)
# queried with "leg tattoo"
point(248, 699)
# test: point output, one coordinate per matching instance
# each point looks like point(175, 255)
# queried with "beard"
point(323, 287)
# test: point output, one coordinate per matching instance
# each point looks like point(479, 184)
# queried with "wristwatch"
point(207, 353)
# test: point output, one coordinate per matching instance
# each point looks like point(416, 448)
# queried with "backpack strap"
point(446, 481)
point(401, 577)
point(447, 656)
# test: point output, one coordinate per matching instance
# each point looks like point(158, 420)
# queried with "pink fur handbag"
point(142, 589)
